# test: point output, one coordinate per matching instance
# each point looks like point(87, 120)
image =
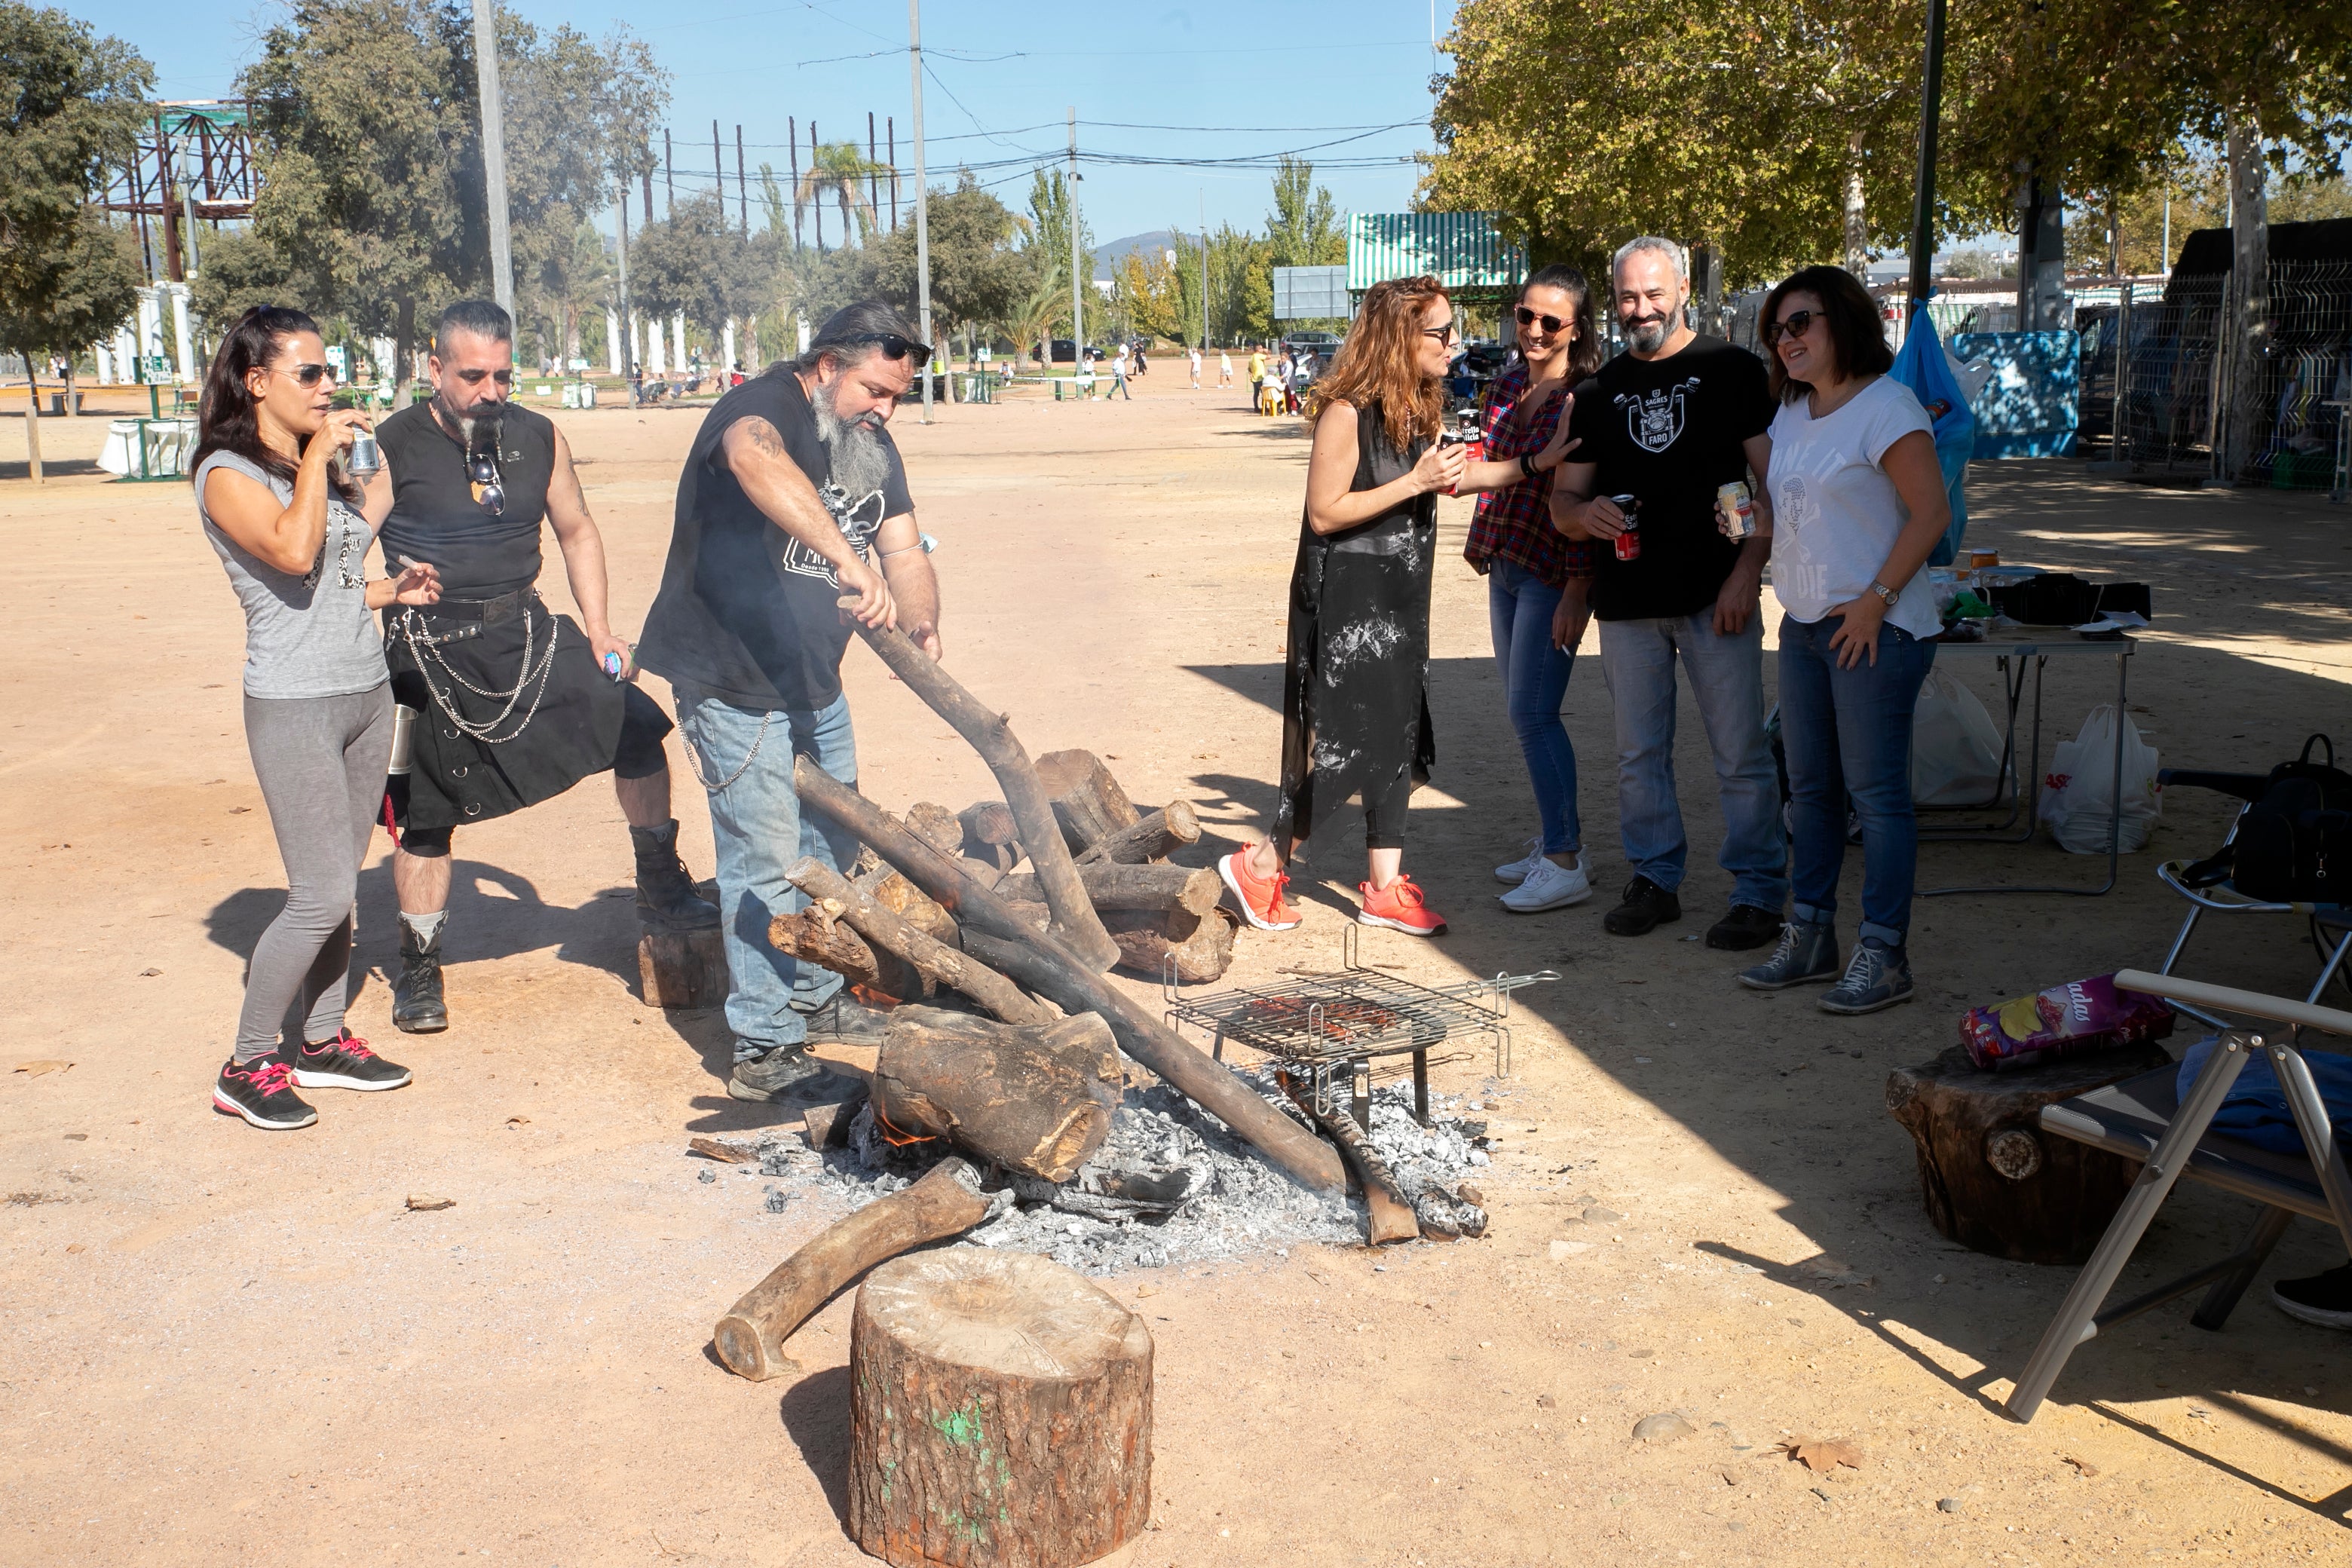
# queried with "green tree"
point(838, 172)
point(241, 270)
point(1304, 229)
point(696, 262)
point(977, 275)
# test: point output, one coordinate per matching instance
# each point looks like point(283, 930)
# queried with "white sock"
point(427, 927)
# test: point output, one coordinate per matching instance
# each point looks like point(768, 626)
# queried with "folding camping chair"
point(2331, 924)
point(2148, 1119)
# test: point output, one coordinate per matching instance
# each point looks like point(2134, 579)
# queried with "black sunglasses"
point(489, 492)
point(893, 346)
point(1795, 325)
point(1551, 324)
point(307, 375)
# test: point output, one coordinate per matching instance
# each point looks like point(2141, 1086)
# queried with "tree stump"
point(1991, 1179)
point(682, 969)
point(1000, 1414)
point(1202, 945)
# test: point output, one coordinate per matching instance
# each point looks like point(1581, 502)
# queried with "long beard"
point(861, 462)
point(481, 432)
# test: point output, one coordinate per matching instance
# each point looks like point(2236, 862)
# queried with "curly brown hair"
point(1376, 363)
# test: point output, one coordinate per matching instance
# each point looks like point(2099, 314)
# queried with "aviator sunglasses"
point(1795, 325)
point(307, 375)
point(489, 492)
point(1527, 318)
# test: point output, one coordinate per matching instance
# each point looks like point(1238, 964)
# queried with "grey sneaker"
point(845, 1020)
point(1807, 952)
point(1876, 977)
point(785, 1073)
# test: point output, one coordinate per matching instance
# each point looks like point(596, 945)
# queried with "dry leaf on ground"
point(1821, 1457)
point(424, 1203)
point(36, 1069)
point(2084, 1466)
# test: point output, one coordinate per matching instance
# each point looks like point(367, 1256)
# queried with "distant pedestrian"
point(1142, 361)
point(1355, 701)
point(1258, 374)
point(1224, 368)
point(1196, 370)
point(1858, 503)
point(1118, 375)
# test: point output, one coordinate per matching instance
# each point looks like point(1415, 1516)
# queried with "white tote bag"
point(2075, 793)
point(1955, 747)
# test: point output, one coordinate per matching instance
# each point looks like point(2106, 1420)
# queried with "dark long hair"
point(1856, 336)
point(1584, 354)
point(225, 419)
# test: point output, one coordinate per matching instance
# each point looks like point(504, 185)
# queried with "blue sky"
point(1284, 74)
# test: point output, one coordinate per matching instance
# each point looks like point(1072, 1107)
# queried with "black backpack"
point(2294, 845)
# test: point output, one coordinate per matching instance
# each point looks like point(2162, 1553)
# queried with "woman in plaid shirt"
point(1536, 579)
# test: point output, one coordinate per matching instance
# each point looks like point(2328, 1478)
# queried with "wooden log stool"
point(1992, 1180)
point(1000, 1414)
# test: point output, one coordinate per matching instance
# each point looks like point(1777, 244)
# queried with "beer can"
point(1735, 512)
point(365, 460)
point(1629, 543)
point(404, 731)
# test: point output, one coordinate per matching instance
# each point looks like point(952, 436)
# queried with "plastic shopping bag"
point(1955, 747)
point(1922, 365)
point(2076, 799)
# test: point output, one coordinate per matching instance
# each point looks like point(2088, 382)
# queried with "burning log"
point(1000, 1414)
point(990, 835)
point(1158, 889)
point(1037, 1099)
point(1388, 1216)
point(937, 964)
point(815, 935)
point(751, 1338)
point(1087, 801)
point(995, 933)
point(1155, 835)
point(1075, 924)
point(1202, 945)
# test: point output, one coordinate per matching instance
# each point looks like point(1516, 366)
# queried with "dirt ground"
point(226, 1346)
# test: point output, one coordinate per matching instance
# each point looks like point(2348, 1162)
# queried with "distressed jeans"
point(1727, 682)
point(760, 831)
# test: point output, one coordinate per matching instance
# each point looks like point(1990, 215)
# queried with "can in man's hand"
point(1735, 512)
point(1629, 543)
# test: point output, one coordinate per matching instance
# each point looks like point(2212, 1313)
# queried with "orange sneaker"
point(1400, 907)
point(1261, 898)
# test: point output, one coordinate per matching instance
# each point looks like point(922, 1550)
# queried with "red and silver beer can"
point(1629, 543)
point(1735, 512)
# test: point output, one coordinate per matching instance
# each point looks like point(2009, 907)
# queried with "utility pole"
point(718, 174)
point(1078, 283)
point(1923, 210)
point(628, 321)
point(890, 127)
point(922, 196)
point(1204, 270)
point(494, 149)
point(873, 174)
point(743, 188)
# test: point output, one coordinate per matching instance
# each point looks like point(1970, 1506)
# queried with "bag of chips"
point(2080, 1015)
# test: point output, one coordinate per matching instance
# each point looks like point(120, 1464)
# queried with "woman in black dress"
point(1355, 707)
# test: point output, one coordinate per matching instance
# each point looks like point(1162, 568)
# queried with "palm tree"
point(838, 169)
point(1038, 313)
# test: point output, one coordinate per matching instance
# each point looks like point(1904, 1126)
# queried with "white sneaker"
point(1520, 870)
point(1550, 886)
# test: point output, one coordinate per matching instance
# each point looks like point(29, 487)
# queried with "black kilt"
point(454, 778)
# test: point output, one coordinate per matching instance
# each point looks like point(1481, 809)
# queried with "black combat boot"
point(416, 1005)
point(666, 896)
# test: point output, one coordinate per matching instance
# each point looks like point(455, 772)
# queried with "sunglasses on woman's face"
point(893, 346)
point(307, 375)
point(1445, 335)
point(1795, 324)
point(1551, 324)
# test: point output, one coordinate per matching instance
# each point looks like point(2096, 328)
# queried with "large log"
point(1000, 1414)
point(1087, 801)
point(1045, 965)
point(1119, 886)
point(1991, 1179)
point(937, 962)
point(751, 1338)
point(1202, 945)
point(990, 834)
point(816, 937)
point(938, 824)
point(1155, 835)
point(990, 734)
point(1036, 1099)
point(894, 892)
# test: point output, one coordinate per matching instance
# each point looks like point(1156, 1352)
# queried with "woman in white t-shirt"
point(1858, 503)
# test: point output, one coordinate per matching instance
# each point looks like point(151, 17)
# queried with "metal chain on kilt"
point(420, 650)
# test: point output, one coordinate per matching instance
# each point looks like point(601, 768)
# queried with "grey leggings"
point(321, 761)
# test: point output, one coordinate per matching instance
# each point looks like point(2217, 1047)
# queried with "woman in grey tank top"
point(292, 527)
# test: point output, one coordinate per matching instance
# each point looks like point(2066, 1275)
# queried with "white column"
point(185, 337)
point(612, 343)
point(151, 326)
point(804, 334)
point(126, 350)
point(655, 363)
point(727, 351)
point(677, 341)
point(99, 352)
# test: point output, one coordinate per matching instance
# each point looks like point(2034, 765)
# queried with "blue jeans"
point(1848, 733)
point(1727, 679)
point(1520, 608)
point(760, 832)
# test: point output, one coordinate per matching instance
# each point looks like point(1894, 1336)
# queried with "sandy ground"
point(226, 1346)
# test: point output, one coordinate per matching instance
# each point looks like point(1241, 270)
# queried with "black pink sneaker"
point(345, 1062)
point(263, 1093)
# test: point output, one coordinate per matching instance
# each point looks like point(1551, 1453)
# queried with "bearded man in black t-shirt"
point(1668, 422)
point(793, 499)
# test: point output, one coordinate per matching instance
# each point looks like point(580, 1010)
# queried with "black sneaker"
point(845, 1020)
point(666, 898)
point(1807, 952)
point(345, 1062)
point(1744, 928)
point(1876, 977)
point(786, 1072)
point(260, 1091)
point(2323, 1299)
point(1644, 906)
point(417, 1008)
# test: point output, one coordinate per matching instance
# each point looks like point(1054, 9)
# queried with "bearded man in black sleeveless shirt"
point(514, 703)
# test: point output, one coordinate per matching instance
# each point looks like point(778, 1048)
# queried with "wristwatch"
point(1885, 592)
